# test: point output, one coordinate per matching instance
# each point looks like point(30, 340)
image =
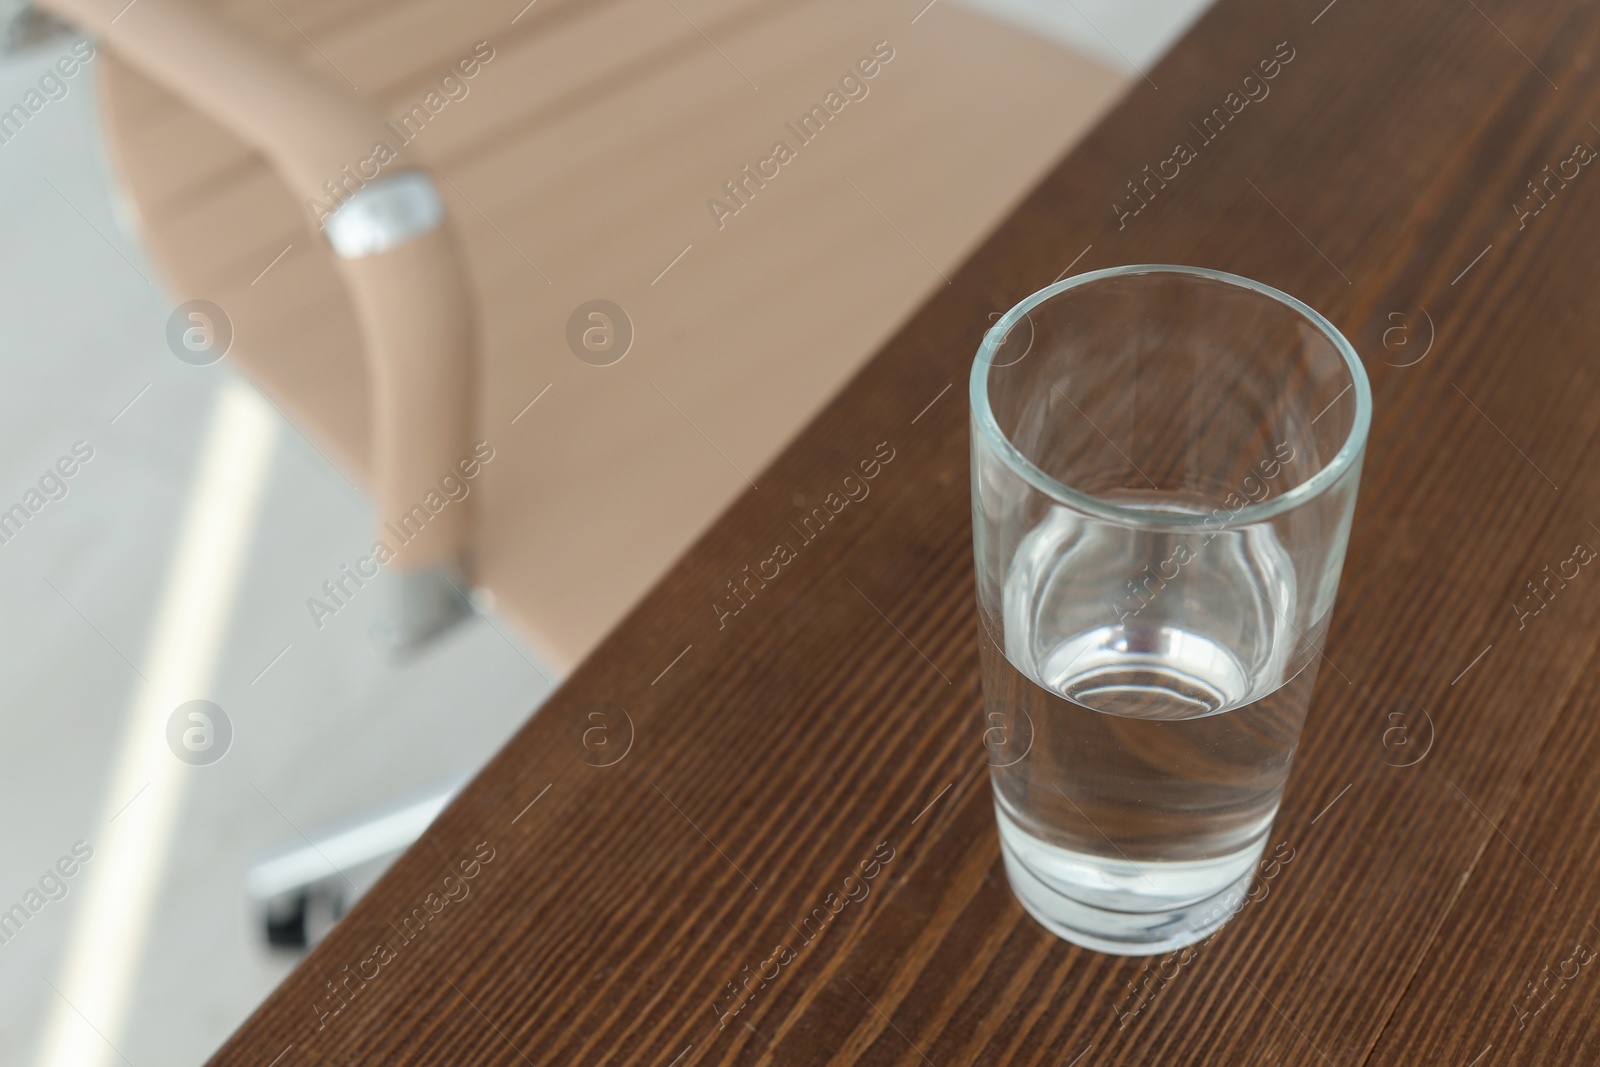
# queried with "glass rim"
point(1149, 517)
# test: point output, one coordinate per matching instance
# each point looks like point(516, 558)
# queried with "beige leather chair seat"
point(581, 158)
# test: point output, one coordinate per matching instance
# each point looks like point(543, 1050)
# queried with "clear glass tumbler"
point(1164, 465)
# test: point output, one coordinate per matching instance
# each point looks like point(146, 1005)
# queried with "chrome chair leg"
point(301, 889)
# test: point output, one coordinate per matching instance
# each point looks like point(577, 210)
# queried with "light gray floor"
point(332, 728)
point(1126, 34)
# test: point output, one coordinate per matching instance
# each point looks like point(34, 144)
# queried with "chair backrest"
point(616, 151)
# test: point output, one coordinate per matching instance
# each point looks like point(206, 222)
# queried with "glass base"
point(1121, 924)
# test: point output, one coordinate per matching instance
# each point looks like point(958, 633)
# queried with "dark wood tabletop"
point(724, 766)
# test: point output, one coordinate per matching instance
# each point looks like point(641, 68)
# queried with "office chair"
point(545, 243)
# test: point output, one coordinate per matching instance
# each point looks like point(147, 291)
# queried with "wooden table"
point(834, 718)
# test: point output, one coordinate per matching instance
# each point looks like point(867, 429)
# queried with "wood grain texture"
point(837, 712)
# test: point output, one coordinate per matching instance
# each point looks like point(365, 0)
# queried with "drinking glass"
point(1164, 465)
